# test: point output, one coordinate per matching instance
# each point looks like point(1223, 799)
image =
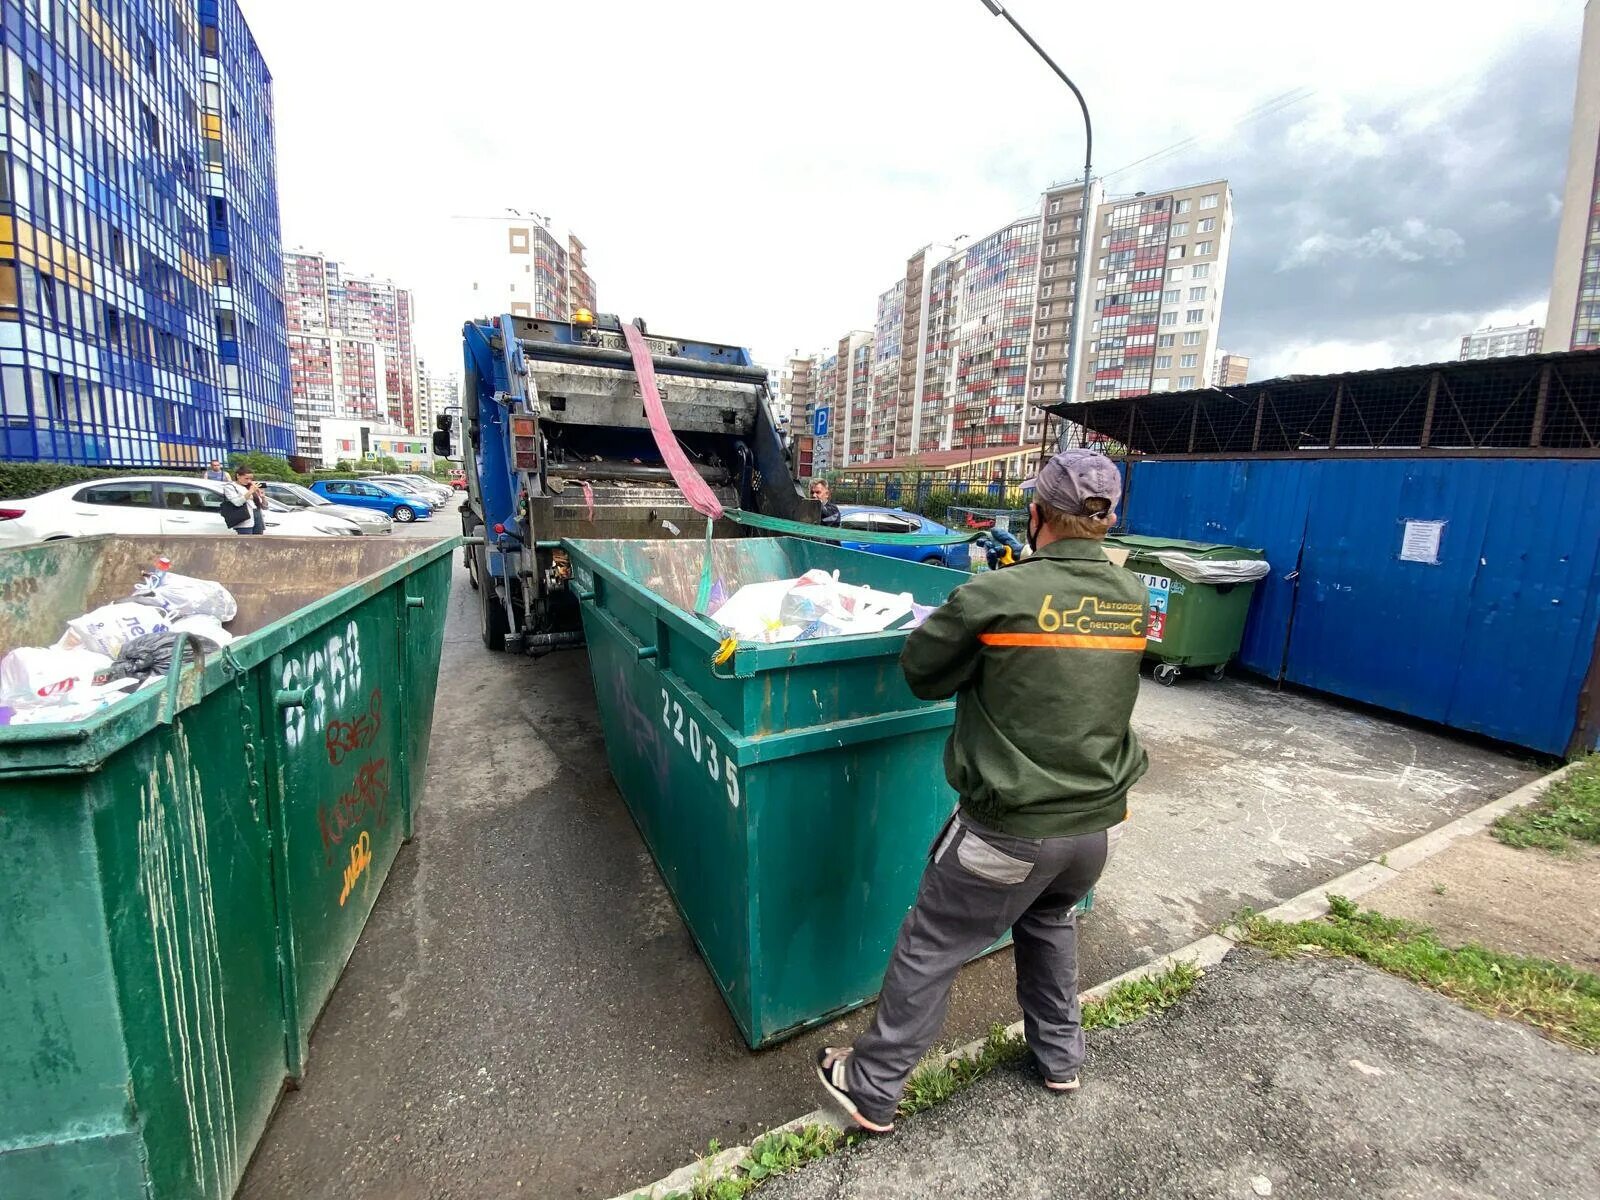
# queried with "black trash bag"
point(147, 657)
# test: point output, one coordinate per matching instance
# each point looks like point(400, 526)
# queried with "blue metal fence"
point(1495, 637)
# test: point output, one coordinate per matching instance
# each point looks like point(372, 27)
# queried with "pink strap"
point(695, 489)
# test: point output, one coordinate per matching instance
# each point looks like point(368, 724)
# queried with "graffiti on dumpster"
point(346, 737)
point(330, 675)
point(367, 797)
point(360, 860)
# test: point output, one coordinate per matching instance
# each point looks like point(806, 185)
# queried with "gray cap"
point(1074, 476)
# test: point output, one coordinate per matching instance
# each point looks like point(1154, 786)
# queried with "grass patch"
point(1560, 1000)
point(1568, 811)
point(934, 1082)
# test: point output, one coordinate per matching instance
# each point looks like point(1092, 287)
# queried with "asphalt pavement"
point(526, 1010)
point(1318, 1079)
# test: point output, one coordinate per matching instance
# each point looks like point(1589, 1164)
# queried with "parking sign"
point(819, 423)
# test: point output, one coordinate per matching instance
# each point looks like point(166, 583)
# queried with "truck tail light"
point(525, 443)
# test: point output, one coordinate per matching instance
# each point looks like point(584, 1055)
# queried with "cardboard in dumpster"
point(815, 605)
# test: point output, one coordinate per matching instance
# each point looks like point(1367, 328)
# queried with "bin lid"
point(1148, 547)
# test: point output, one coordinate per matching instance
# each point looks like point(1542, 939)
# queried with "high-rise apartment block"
point(141, 319)
point(351, 353)
point(1573, 319)
point(972, 341)
point(437, 394)
point(797, 392)
point(1504, 341)
point(1232, 370)
point(522, 265)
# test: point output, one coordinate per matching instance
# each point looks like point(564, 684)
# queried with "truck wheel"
point(469, 560)
point(491, 611)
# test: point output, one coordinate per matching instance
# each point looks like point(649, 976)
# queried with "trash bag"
point(1215, 571)
point(107, 628)
point(208, 631)
point(31, 676)
point(185, 596)
point(149, 657)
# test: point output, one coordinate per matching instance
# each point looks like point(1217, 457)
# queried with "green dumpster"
point(185, 874)
point(789, 795)
point(1199, 599)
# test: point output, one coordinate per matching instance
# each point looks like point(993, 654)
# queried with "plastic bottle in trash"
point(157, 575)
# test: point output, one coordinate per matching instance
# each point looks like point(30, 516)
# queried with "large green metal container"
point(183, 877)
point(790, 795)
point(1190, 624)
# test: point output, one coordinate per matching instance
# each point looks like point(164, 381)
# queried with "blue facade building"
point(141, 315)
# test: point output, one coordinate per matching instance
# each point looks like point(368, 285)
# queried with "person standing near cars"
point(215, 473)
point(823, 495)
point(1043, 661)
point(244, 504)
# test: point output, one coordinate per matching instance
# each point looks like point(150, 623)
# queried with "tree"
point(264, 466)
point(387, 465)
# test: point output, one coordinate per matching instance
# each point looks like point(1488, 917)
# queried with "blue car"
point(896, 520)
point(358, 493)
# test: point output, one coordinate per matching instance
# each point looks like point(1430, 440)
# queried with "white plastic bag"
point(204, 629)
point(185, 596)
point(106, 628)
point(38, 675)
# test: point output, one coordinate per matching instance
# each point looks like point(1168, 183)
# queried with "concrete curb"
point(1203, 952)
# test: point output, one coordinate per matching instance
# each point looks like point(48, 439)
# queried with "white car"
point(154, 504)
point(435, 494)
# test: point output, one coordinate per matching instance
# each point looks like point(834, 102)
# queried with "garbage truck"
point(556, 441)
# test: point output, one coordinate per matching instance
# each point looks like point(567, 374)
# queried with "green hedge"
point(19, 480)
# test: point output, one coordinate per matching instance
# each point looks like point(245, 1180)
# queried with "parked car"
point(406, 488)
point(404, 507)
point(303, 499)
point(146, 504)
point(458, 480)
point(436, 492)
point(896, 520)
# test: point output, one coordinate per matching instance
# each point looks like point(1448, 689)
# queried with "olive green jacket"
point(1043, 660)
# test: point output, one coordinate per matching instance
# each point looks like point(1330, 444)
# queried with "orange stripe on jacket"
point(1070, 641)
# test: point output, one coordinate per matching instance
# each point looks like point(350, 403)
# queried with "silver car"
point(404, 483)
point(292, 495)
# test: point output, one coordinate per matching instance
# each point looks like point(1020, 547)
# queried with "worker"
point(822, 494)
point(1043, 660)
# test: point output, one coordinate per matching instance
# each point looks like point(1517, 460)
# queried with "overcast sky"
point(757, 172)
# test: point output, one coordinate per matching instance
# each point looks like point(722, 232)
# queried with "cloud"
point(1413, 241)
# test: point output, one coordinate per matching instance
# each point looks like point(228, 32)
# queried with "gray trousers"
point(978, 884)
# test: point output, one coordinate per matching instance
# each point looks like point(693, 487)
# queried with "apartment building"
point(851, 399)
point(438, 394)
point(141, 321)
point(522, 264)
point(797, 392)
point(1232, 370)
point(1160, 264)
point(1503, 341)
point(351, 351)
point(1572, 321)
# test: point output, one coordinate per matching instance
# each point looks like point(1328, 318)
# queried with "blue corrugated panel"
point(1495, 637)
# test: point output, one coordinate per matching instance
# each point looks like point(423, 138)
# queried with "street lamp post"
point(1080, 288)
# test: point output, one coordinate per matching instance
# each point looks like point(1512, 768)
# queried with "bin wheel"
point(491, 614)
point(1167, 674)
point(1214, 674)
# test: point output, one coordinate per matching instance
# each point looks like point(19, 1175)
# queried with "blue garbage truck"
point(556, 442)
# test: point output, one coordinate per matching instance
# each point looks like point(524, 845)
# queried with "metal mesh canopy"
point(1537, 404)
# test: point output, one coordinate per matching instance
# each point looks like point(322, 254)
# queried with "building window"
point(1161, 385)
point(1193, 338)
point(1174, 274)
point(1209, 201)
point(1163, 362)
point(1044, 310)
point(1181, 229)
point(1181, 207)
point(1189, 360)
point(519, 241)
point(1172, 297)
point(1176, 252)
point(1165, 341)
point(1207, 225)
point(1204, 247)
point(1197, 295)
point(1054, 228)
point(1047, 289)
point(1169, 318)
point(1201, 271)
point(1038, 390)
point(1194, 316)
point(1185, 381)
point(1055, 206)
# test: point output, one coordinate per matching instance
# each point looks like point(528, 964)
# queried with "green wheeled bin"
point(789, 795)
point(1199, 600)
point(184, 875)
